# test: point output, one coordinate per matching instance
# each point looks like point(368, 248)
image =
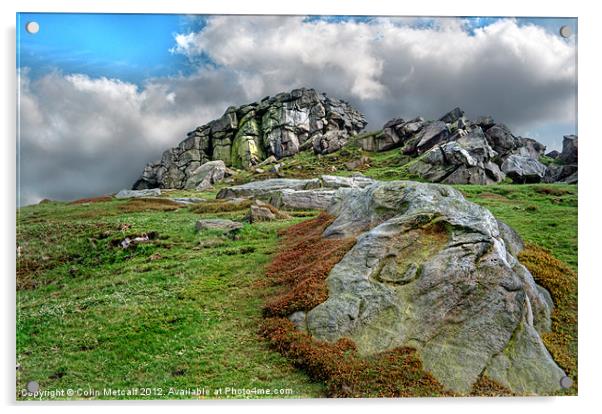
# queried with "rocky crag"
point(456, 150)
point(278, 126)
point(430, 270)
point(451, 150)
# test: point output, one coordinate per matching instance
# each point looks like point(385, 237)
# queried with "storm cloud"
point(82, 136)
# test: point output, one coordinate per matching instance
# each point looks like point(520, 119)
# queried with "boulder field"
point(429, 270)
point(450, 150)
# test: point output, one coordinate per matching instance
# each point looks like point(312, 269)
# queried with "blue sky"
point(103, 94)
point(131, 47)
point(135, 47)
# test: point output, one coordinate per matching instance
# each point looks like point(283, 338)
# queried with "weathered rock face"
point(454, 150)
point(206, 175)
point(523, 169)
point(278, 126)
point(293, 194)
point(433, 271)
point(569, 153)
point(467, 160)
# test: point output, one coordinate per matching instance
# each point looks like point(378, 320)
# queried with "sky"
point(100, 95)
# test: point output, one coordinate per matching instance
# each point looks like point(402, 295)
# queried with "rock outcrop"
point(564, 168)
point(278, 126)
point(455, 150)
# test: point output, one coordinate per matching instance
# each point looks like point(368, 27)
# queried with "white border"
point(589, 202)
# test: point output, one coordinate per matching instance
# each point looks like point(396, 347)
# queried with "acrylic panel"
point(229, 206)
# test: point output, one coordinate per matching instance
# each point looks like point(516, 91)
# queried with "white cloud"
point(84, 136)
point(81, 136)
point(389, 67)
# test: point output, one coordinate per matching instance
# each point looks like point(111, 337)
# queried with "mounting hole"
point(32, 27)
point(566, 382)
point(565, 31)
point(33, 386)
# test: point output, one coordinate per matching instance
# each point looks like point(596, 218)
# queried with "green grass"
point(543, 214)
point(182, 311)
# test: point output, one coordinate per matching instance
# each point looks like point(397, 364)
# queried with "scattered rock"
point(433, 271)
point(188, 200)
point(227, 226)
point(299, 320)
point(260, 211)
point(151, 192)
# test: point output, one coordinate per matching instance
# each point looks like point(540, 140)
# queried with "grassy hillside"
point(183, 310)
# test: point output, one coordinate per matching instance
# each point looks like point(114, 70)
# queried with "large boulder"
point(296, 194)
point(523, 169)
point(278, 126)
point(435, 272)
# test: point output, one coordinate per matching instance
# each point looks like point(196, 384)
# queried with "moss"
point(561, 281)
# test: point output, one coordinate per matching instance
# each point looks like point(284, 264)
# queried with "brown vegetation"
point(135, 205)
point(561, 281)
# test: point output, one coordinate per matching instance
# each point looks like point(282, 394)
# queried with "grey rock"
point(553, 154)
point(188, 200)
point(151, 192)
point(316, 199)
point(500, 138)
point(355, 181)
point(278, 126)
point(452, 116)
point(559, 173)
point(513, 242)
point(227, 226)
point(485, 122)
point(569, 154)
point(523, 169)
point(299, 320)
point(572, 179)
point(433, 271)
point(206, 175)
point(260, 213)
point(465, 160)
point(260, 189)
point(530, 148)
point(430, 135)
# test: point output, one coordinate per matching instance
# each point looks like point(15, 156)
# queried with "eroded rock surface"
point(278, 126)
point(456, 150)
point(433, 271)
point(297, 194)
